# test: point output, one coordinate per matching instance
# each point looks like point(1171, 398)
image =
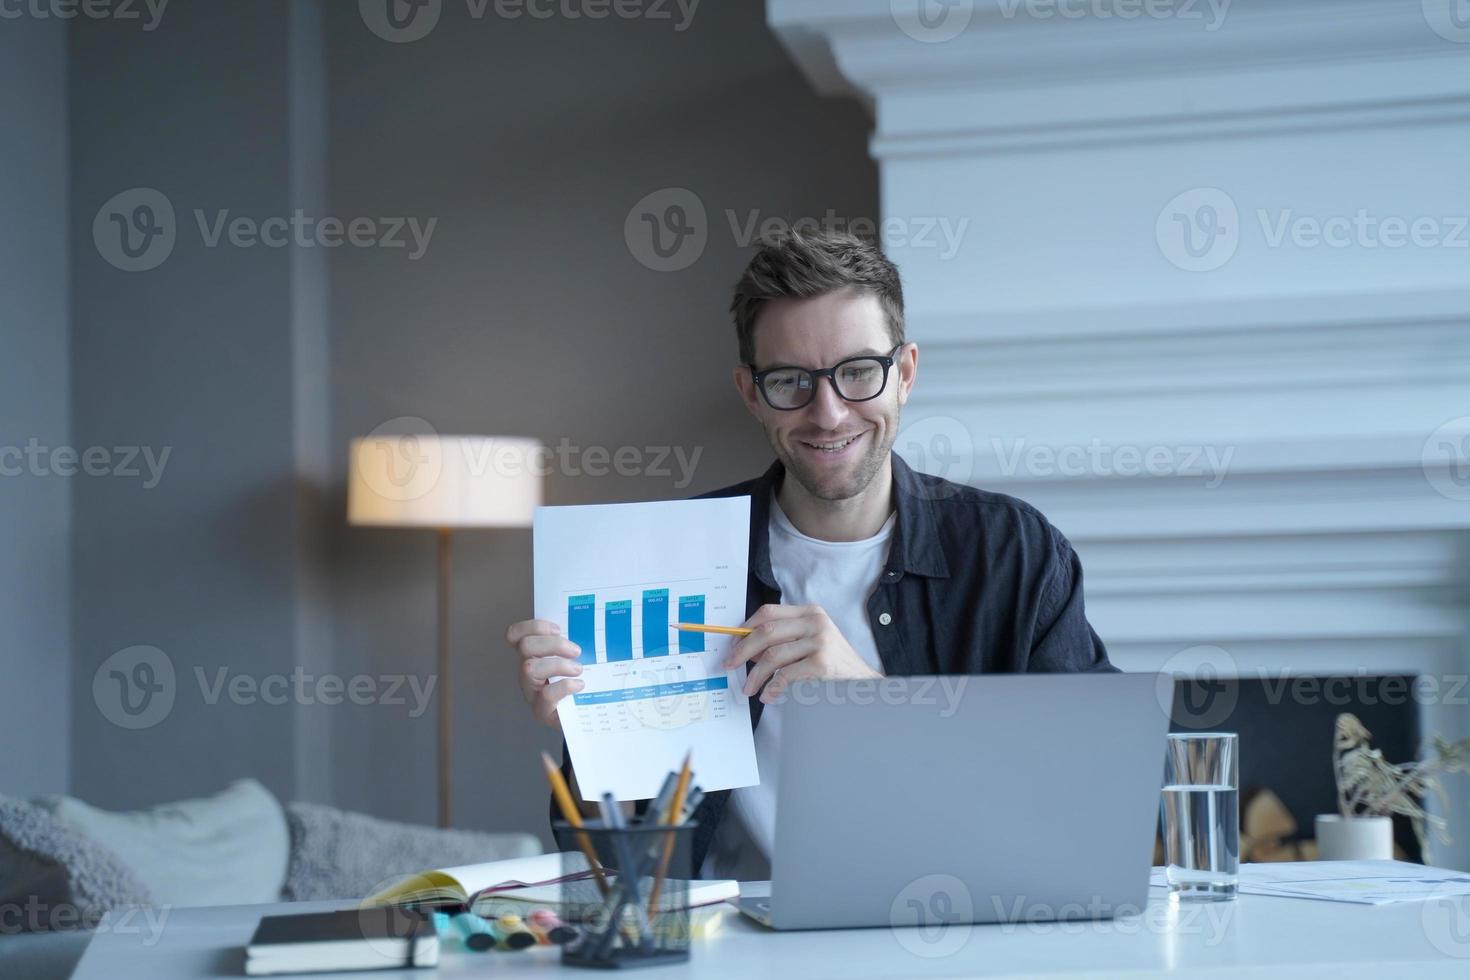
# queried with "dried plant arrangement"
point(1370, 786)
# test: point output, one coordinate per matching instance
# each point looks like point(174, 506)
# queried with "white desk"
point(1252, 937)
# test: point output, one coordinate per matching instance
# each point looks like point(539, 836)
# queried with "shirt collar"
point(915, 548)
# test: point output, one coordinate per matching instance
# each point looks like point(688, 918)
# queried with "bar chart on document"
point(615, 578)
point(657, 677)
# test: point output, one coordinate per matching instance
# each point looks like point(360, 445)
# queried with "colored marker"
point(545, 924)
point(474, 932)
point(513, 932)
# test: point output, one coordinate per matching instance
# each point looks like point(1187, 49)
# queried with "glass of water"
point(1201, 810)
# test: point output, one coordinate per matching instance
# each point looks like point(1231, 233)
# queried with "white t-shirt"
point(839, 576)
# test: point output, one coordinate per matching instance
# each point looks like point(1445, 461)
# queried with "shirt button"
point(884, 619)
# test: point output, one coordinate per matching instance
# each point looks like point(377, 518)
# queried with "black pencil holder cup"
point(637, 912)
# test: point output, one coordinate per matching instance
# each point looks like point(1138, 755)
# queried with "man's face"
point(833, 447)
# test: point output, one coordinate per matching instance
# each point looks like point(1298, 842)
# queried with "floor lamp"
point(443, 483)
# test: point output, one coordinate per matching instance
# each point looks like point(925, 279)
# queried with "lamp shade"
point(443, 481)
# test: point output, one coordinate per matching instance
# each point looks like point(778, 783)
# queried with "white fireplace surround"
point(1258, 438)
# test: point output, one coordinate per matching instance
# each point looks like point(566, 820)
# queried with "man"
point(859, 566)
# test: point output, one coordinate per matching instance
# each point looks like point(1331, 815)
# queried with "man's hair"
point(797, 264)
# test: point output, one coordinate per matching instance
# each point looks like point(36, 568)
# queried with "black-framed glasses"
point(856, 379)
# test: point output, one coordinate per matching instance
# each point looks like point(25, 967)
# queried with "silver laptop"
point(928, 800)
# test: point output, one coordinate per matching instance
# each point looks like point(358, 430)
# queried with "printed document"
point(616, 577)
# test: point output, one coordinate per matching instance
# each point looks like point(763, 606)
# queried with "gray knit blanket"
point(337, 854)
point(334, 855)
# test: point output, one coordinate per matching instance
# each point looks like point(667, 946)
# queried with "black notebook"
point(357, 939)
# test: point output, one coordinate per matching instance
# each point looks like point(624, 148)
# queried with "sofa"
point(64, 863)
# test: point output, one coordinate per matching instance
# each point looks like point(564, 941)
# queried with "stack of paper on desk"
point(1360, 882)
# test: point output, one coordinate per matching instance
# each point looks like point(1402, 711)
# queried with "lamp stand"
point(445, 745)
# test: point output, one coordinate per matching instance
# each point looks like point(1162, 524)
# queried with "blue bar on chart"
point(582, 625)
point(655, 622)
point(617, 628)
point(691, 610)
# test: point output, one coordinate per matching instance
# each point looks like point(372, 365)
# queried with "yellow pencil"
point(574, 817)
point(701, 628)
point(671, 819)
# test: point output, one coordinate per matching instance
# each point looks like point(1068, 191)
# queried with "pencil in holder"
point(637, 913)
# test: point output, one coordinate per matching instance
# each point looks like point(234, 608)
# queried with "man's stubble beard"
point(872, 461)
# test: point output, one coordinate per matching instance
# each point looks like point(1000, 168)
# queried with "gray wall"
point(530, 141)
point(198, 356)
point(34, 509)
